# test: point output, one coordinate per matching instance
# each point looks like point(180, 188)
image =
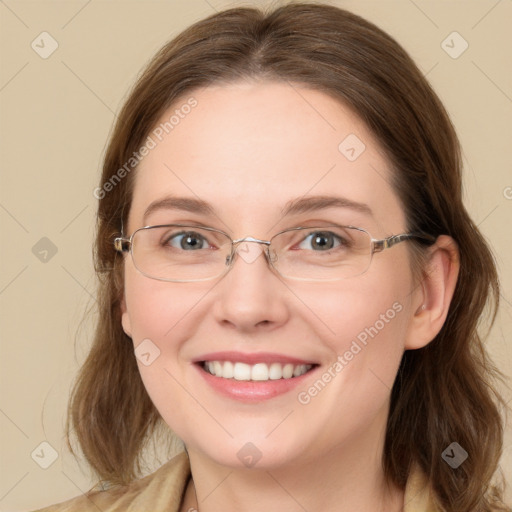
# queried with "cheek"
point(159, 316)
point(362, 310)
point(151, 312)
point(366, 323)
point(162, 317)
point(155, 308)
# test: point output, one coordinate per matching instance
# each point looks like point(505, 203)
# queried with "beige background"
point(56, 114)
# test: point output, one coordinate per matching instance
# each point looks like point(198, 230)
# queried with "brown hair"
point(443, 392)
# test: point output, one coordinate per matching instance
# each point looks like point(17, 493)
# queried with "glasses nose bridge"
point(235, 244)
point(250, 239)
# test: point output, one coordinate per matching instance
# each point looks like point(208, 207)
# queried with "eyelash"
point(341, 241)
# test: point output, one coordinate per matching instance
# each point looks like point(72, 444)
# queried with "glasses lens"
point(180, 253)
point(327, 253)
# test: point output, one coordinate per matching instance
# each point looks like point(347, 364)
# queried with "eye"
point(322, 241)
point(186, 241)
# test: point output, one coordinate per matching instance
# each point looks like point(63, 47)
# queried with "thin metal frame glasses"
point(347, 253)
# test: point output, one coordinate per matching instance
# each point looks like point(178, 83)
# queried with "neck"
point(348, 478)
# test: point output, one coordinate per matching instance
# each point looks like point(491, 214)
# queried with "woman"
point(282, 242)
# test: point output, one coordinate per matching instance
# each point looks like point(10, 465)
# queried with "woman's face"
point(249, 150)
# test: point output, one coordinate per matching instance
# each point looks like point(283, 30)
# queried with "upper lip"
point(252, 358)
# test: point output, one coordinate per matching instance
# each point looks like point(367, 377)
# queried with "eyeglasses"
point(187, 253)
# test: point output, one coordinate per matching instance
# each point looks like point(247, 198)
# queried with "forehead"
point(251, 148)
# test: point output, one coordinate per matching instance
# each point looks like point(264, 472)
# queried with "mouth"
point(251, 378)
point(259, 372)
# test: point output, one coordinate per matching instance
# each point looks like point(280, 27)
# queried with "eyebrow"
point(185, 204)
point(294, 207)
point(315, 203)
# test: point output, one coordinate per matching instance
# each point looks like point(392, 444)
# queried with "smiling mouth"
point(255, 372)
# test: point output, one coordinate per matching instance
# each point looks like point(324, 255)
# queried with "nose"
point(251, 296)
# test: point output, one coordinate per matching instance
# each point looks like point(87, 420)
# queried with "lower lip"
point(252, 391)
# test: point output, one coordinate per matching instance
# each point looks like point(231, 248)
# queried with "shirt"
point(163, 491)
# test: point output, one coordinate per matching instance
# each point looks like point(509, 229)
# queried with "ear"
point(125, 318)
point(432, 297)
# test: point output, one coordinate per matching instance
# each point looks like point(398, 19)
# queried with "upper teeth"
point(259, 371)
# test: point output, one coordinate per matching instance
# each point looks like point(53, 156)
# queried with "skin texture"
point(248, 148)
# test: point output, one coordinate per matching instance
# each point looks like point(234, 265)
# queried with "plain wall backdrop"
point(66, 68)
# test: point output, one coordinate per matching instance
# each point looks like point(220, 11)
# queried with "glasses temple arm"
point(386, 243)
point(122, 244)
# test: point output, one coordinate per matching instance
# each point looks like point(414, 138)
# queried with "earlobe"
point(432, 300)
point(125, 319)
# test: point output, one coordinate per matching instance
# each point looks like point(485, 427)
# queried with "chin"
point(256, 454)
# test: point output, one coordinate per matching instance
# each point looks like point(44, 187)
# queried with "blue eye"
point(187, 241)
point(322, 241)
